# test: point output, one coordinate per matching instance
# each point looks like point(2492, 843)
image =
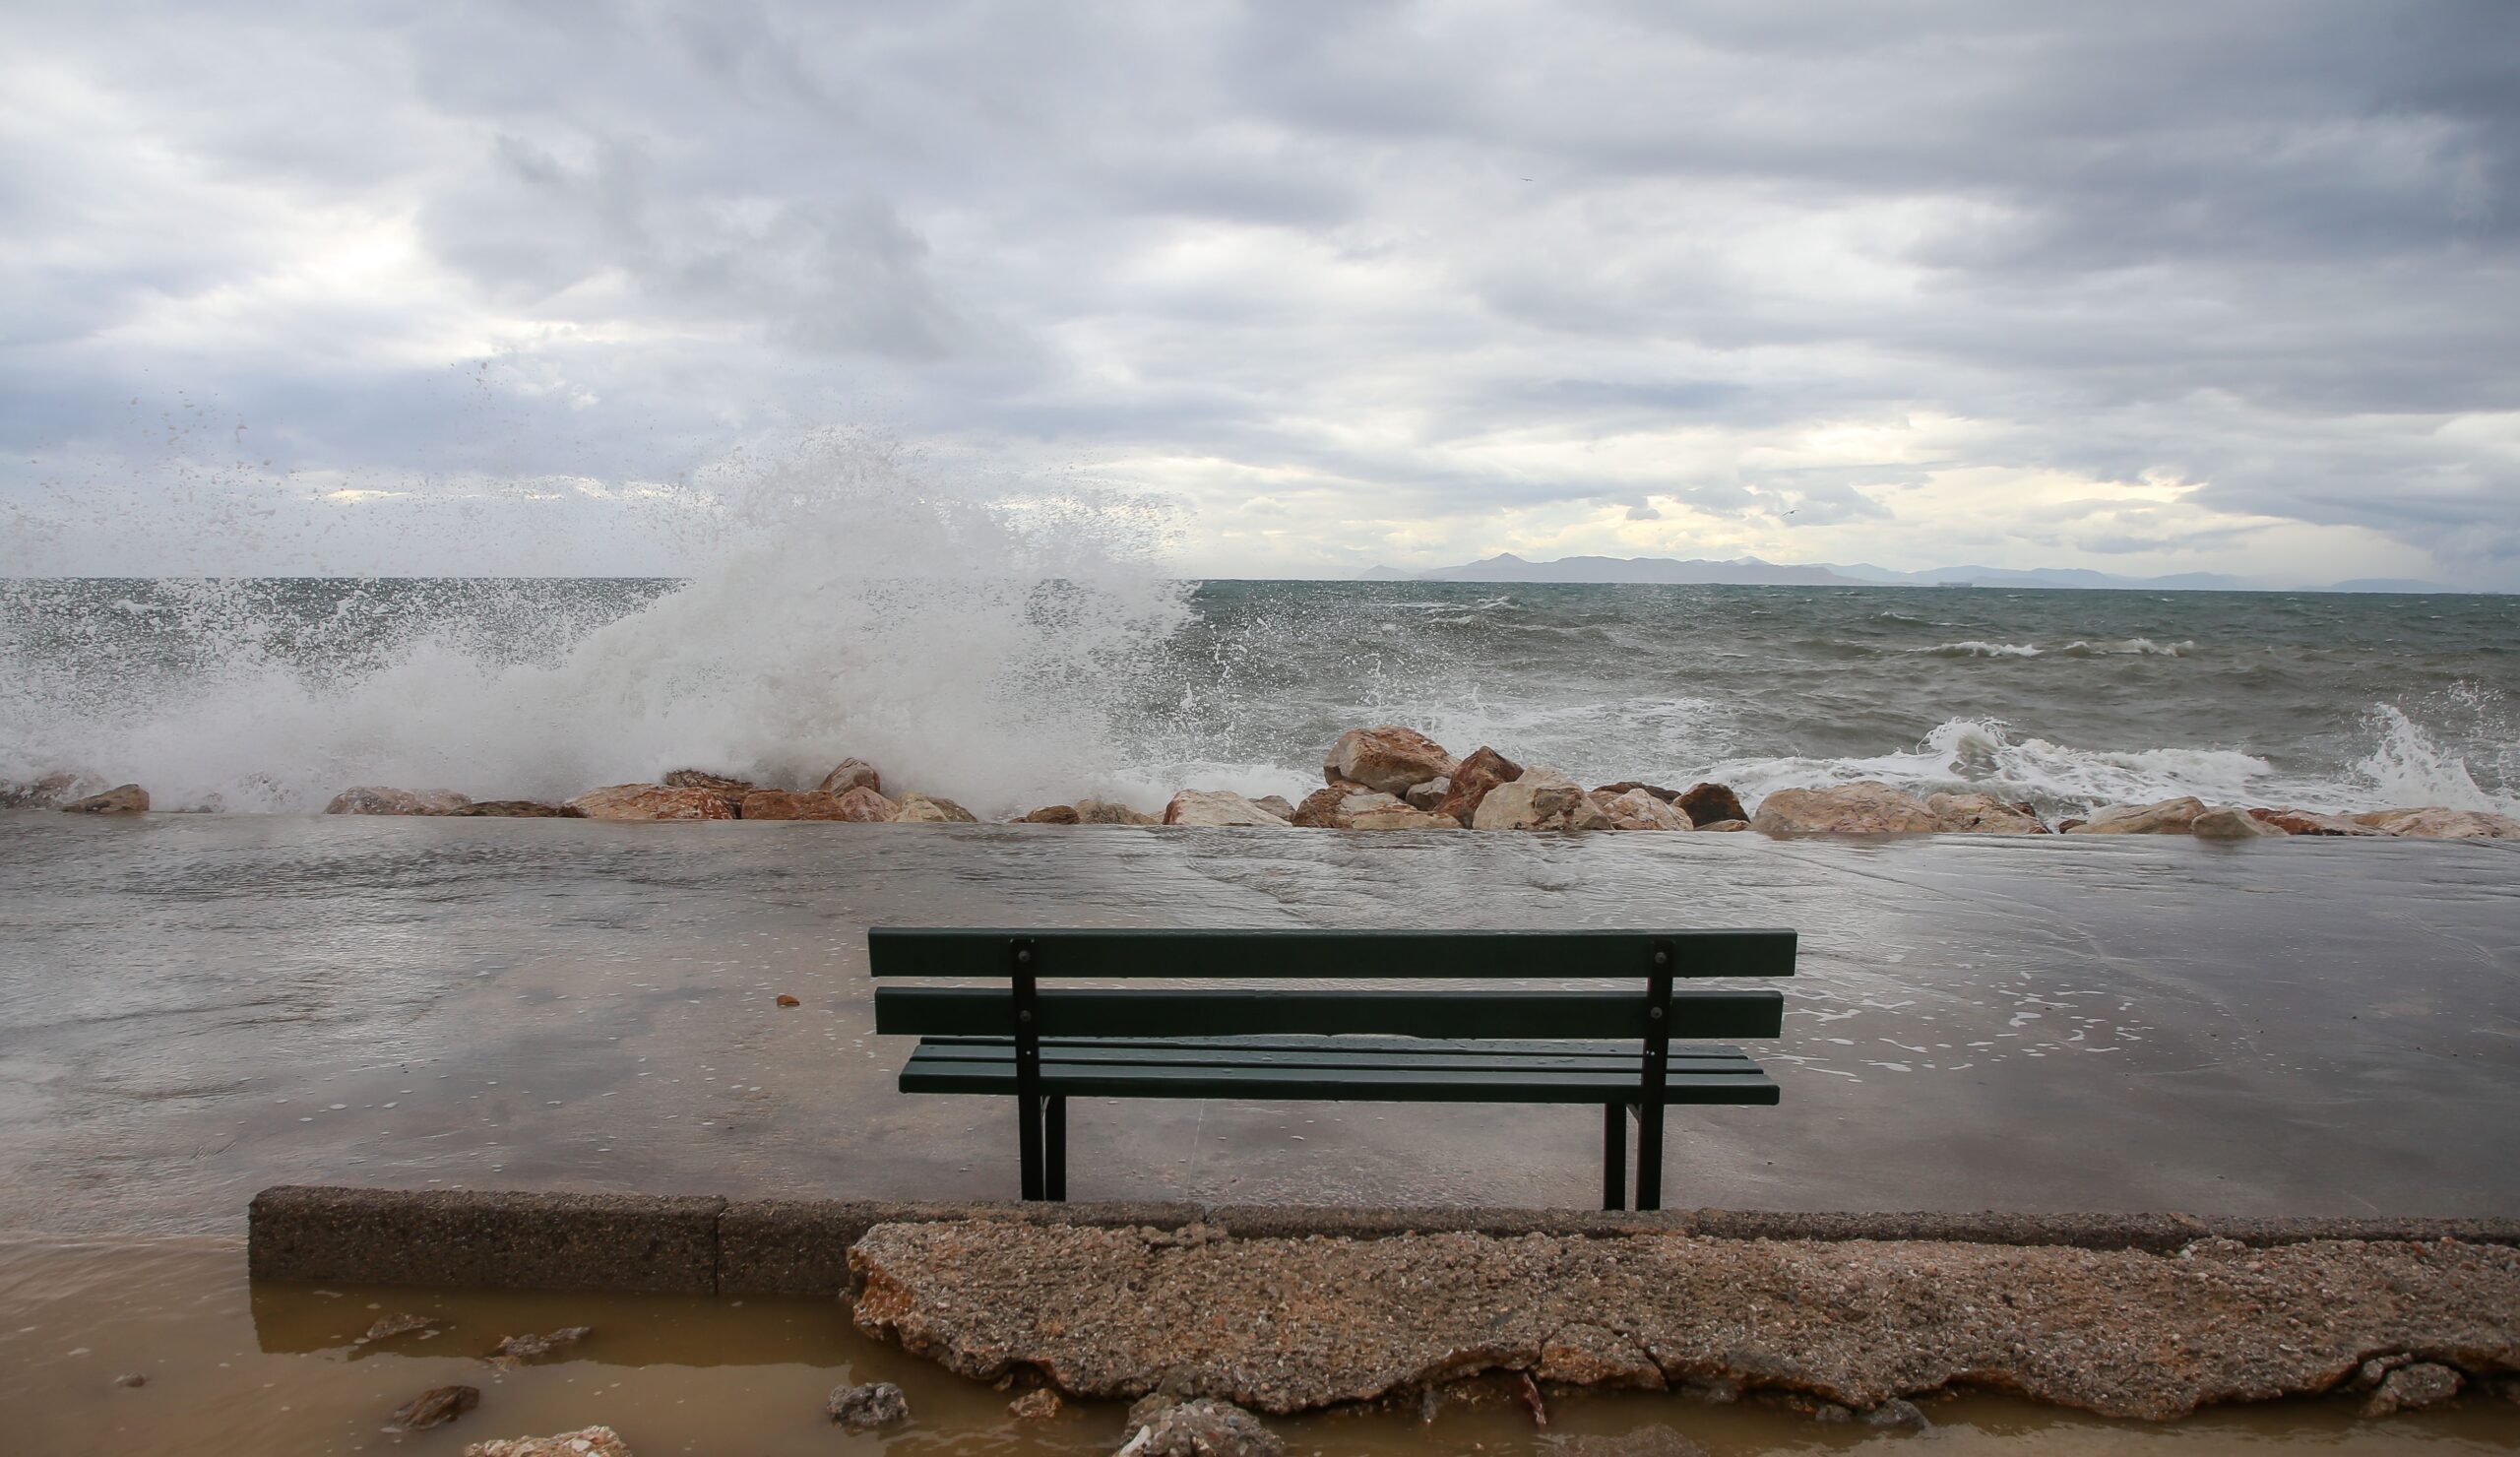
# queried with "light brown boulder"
point(1400, 818)
point(2310, 822)
point(50, 792)
point(2167, 817)
point(1388, 758)
point(863, 807)
point(1348, 807)
point(1320, 808)
point(377, 799)
point(851, 773)
point(586, 1442)
point(1535, 803)
point(1276, 804)
point(1214, 809)
point(702, 779)
point(120, 799)
point(652, 802)
point(785, 804)
point(515, 809)
point(1724, 826)
point(1639, 809)
point(1051, 814)
point(1110, 813)
point(2223, 822)
point(1612, 791)
point(1473, 778)
point(1431, 795)
point(932, 809)
point(1866, 809)
point(1984, 814)
point(2436, 822)
point(1710, 804)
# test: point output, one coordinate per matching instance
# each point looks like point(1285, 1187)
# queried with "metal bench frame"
point(1332, 1046)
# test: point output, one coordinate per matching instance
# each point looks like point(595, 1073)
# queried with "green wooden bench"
point(1042, 1045)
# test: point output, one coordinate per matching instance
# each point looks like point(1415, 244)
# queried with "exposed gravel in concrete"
point(1290, 1324)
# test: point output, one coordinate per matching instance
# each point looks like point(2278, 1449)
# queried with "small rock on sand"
point(586, 1442)
point(132, 1379)
point(786, 1000)
point(865, 1408)
point(435, 1407)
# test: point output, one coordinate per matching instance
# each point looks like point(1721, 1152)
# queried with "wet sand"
point(195, 1007)
point(272, 1372)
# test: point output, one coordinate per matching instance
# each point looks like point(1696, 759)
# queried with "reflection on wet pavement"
point(194, 1007)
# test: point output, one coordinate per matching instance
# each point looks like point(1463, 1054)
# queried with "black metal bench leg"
point(1028, 1142)
point(1614, 1156)
point(1648, 1157)
point(1054, 1146)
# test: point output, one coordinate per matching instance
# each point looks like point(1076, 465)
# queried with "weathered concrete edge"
point(504, 1240)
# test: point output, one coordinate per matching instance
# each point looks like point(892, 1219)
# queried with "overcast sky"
point(452, 286)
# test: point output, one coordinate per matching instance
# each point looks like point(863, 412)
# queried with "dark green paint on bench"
point(1280, 955)
point(920, 1011)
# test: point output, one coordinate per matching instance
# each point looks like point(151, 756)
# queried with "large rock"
point(1867, 808)
point(1639, 809)
point(516, 809)
point(586, 1442)
point(1389, 758)
point(1471, 779)
point(49, 791)
point(1612, 791)
point(2310, 822)
point(866, 1408)
point(864, 807)
point(2436, 822)
point(1217, 810)
point(1431, 795)
point(851, 773)
point(1110, 813)
point(1353, 807)
point(377, 799)
point(1984, 814)
point(932, 809)
point(702, 779)
point(785, 804)
point(1534, 803)
point(1710, 804)
point(1052, 814)
point(2167, 817)
point(1320, 808)
point(1400, 818)
point(2225, 823)
point(2412, 1389)
point(652, 802)
point(120, 799)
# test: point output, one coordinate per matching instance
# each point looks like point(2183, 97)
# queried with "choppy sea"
point(1006, 690)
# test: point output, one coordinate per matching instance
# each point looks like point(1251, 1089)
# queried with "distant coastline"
point(1750, 571)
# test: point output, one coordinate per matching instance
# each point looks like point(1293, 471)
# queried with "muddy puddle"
point(273, 1371)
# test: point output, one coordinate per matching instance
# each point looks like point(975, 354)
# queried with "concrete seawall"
point(694, 1243)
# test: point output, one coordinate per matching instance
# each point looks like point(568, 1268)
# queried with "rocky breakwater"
point(1284, 1325)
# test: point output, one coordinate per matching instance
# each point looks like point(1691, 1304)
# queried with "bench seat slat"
point(1067, 1055)
point(1276, 954)
point(1353, 1044)
point(1377, 1085)
point(1523, 1015)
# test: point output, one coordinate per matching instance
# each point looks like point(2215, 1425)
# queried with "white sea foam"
point(2408, 765)
point(1974, 648)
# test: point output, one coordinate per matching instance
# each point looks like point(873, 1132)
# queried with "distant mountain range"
point(1749, 571)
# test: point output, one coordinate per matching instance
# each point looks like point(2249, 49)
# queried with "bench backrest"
point(1024, 958)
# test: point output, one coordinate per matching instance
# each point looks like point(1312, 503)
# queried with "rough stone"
point(435, 1408)
point(1401, 818)
point(2412, 1389)
point(1320, 808)
point(1431, 795)
point(864, 807)
point(1388, 758)
point(1710, 804)
point(1869, 808)
point(120, 799)
point(484, 1238)
point(2435, 822)
point(1052, 814)
point(516, 1351)
point(786, 804)
point(2310, 822)
point(1276, 804)
point(1588, 1355)
point(1037, 1405)
point(2167, 817)
point(1109, 812)
point(1202, 1426)
point(1898, 1414)
point(403, 1323)
point(1639, 809)
point(49, 791)
point(1217, 809)
point(1472, 779)
point(1984, 814)
point(702, 779)
point(2226, 823)
point(876, 1404)
point(652, 802)
point(1726, 825)
point(586, 1442)
point(516, 809)
point(932, 809)
point(851, 775)
point(1612, 791)
point(377, 799)
point(1284, 1325)
point(1532, 803)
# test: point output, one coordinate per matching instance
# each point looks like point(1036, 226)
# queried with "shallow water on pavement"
point(272, 1371)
